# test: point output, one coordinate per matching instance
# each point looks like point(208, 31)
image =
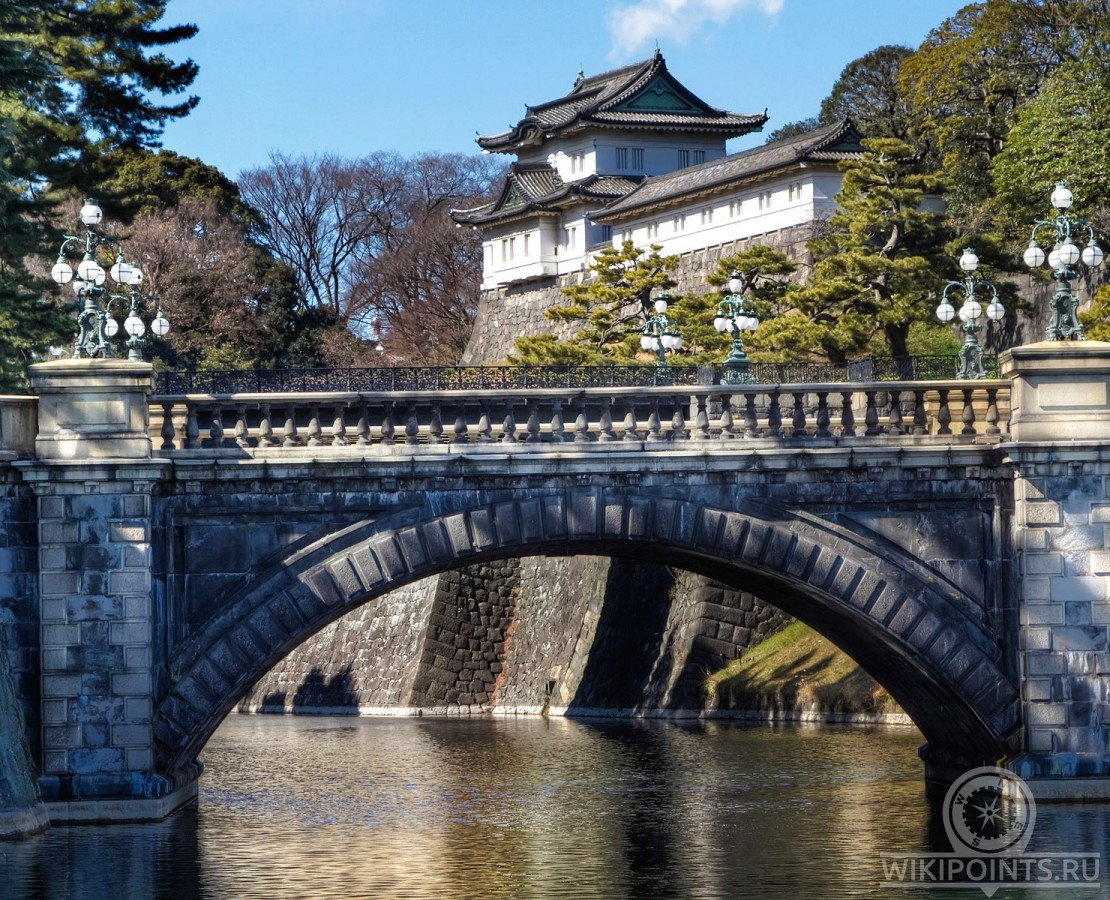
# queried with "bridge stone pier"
point(165, 552)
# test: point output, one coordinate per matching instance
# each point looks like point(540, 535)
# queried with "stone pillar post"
point(1060, 450)
point(93, 478)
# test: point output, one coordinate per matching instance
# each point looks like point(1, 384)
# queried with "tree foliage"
point(868, 93)
point(610, 308)
point(875, 270)
point(370, 243)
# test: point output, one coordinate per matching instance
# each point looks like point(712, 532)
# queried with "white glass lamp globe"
point(62, 272)
point(134, 326)
point(111, 327)
point(1069, 254)
point(136, 276)
point(996, 311)
point(645, 342)
point(735, 285)
point(676, 342)
point(946, 312)
point(1061, 198)
point(161, 326)
point(970, 311)
point(90, 270)
point(1034, 256)
point(720, 323)
point(120, 272)
point(90, 214)
point(1054, 259)
point(969, 262)
point(661, 306)
point(1092, 255)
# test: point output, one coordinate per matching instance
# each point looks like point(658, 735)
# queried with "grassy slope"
point(797, 669)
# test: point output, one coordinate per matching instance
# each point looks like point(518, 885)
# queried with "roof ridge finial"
point(657, 54)
point(581, 75)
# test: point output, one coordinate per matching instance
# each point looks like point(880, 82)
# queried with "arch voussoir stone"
point(935, 657)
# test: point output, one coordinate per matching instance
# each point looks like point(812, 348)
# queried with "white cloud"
point(643, 22)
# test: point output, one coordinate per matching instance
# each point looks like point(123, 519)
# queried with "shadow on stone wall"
point(318, 691)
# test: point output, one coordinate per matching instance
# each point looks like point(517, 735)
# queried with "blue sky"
point(357, 76)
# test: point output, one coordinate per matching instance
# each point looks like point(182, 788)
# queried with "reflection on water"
point(524, 808)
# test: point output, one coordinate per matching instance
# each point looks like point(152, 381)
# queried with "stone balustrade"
point(817, 414)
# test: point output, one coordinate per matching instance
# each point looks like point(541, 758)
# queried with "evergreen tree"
point(611, 309)
point(876, 269)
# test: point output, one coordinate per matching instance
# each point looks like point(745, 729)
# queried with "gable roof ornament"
point(642, 95)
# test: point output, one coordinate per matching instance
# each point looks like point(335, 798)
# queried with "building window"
point(626, 235)
point(707, 216)
point(679, 223)
point(638, 158)
point(572, 237)
point(683, 158)
point(764, 199)
point(734, 208)
point(606, 232)
point(795, 191)
point(698, 157)
point(525, 247)
point(653, 230)
point(622, 157)
point(577, 162)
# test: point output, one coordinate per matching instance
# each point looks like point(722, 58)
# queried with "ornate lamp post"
point(660, 334)
point(95, 324)
point(1062, 259)
point(736, 314)
point(971, 354)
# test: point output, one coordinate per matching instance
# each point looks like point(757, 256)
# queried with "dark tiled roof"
point(829, 144)
point(643, 95)
point(537, 188)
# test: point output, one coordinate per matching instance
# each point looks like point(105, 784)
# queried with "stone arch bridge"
point(178, 547)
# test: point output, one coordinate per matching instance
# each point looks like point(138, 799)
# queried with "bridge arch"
point(916, 633)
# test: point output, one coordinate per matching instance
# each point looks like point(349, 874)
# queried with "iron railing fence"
point(481, 378)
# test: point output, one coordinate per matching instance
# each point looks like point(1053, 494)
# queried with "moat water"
point(302, 807)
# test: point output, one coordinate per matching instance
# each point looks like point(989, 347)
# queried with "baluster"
point(606, 423)
point(822, 415)
point(871, 416)
point(678, 423)
point(751, 420)
point(167, 431)
point(894, 420)
point(266, 427)
point(920, 420)
point(968, 414)
point(389, 425)
point(460, 431)
point(362, 429)
point(315, 432)
point(533, 423)
point(508, 428)
point(655, 427)
point(628, 427)
point(798, 422)
point(290, 429)
point(412, 426)
point(992, 411)
point(192, 429)
point(581, 423)
point(485, 427)
point(339, 428)
point(216, 428)
point(727, 432)
point(435, 427)
point(774, 416)
point(847, 415)
point(241, 432)
point(558, 431)
point(944, 414)
point(701, 419)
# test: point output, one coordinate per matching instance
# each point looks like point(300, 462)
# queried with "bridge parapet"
point(810, 414)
